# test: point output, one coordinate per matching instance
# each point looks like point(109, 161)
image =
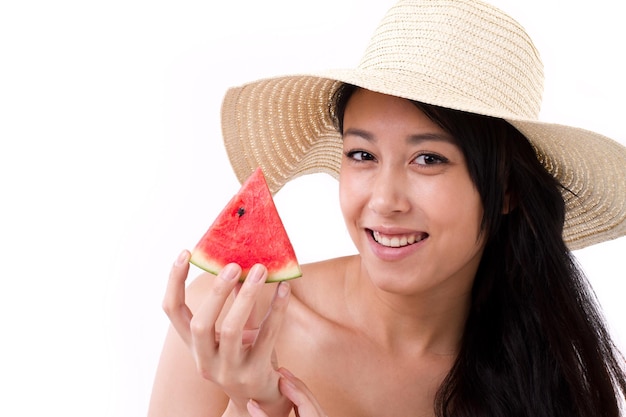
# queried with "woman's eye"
point(430, 159)
point(360, 156)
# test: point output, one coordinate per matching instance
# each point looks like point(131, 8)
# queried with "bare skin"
point(366, 335)
point(347, 382)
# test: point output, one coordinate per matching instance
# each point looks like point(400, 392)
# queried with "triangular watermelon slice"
point(248, 231)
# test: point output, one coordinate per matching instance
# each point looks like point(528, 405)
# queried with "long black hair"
point(535, 343)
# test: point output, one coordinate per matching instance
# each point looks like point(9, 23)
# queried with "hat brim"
point(283, 125)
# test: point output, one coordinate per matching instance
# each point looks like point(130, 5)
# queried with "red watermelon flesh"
point(248, 231)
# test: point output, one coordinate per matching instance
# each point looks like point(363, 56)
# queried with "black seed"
point(241, 211)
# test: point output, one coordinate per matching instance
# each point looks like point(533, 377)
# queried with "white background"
point(111, 162)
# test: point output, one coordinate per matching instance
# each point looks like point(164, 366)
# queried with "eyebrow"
point(414, 139)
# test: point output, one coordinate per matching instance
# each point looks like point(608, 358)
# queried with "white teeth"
point(396, 241)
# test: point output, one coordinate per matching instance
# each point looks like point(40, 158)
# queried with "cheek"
point(459, 208)
point(466, 213)
point(352, 195)
point(346, 194)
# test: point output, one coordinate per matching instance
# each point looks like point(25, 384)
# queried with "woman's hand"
point(238, 356)
point(304, 402)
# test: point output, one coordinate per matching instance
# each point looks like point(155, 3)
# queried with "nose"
point(389, 193)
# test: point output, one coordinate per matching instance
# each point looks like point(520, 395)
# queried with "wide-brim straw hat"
point(460, 54)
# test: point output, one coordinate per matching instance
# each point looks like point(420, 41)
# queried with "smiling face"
point(407, 198)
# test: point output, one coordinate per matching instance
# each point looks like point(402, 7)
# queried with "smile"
point(398, 241)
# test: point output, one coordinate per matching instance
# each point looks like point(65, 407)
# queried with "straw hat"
point(460, 54)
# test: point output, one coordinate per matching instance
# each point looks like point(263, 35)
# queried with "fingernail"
point(230, 272)
point(254, 404)
point(283, 289)
point(257, 273)
point(182, 258)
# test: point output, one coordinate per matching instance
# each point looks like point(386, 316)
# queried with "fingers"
point(174, 300)
point(303, 399)
point(234, 323)
point(224, 354)
point(266, 340)
point(202, 325)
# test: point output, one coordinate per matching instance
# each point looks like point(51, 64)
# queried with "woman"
point(464, 299)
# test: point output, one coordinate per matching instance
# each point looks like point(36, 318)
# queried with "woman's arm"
point(178, 388)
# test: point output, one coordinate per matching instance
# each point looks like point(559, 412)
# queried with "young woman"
point(464, 299)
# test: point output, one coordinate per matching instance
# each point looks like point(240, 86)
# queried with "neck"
point(430, 321)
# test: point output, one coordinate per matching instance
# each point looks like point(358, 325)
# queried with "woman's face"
point(407, 198)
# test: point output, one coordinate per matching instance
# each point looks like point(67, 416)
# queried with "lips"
point(398, 240)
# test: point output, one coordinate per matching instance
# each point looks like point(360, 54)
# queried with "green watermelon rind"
point(285, 273)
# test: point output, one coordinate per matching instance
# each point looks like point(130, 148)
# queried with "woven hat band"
point(467, 49)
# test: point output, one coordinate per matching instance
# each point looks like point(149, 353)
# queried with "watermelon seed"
point(241, 211)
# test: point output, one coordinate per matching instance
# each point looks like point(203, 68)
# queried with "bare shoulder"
point(318, 296)
point(327, 266)
point(321, 279)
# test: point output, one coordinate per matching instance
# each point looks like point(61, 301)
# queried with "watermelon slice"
point(248, 231)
